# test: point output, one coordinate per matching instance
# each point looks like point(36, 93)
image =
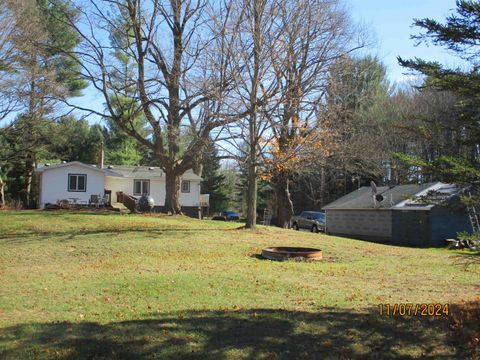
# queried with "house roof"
point(145, 172)
point(438, 193)
point(137, 172)
point(45, 167)
point(396, 197)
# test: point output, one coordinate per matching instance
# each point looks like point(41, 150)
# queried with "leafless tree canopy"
point(175, 78)
point(298, 42)
point(251, 73)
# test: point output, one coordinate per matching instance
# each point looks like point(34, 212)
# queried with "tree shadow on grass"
point(467, 258)
point(23, 237)
point(60, 213)
point(247, 334)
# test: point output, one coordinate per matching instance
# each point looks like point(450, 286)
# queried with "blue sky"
point(391, 25)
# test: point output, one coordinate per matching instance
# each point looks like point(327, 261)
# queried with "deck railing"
point(129, 201)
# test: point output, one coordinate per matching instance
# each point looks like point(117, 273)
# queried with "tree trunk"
point(252, 196)
point(35, 191)
point(172, 192)
point(252, 135)
point(283, 202)
point(323, 185)
point(27, 184)
point(2, 193)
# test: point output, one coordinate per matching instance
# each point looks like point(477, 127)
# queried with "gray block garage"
point(420, 215)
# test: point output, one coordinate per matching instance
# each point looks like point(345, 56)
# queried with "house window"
point(185, 186)
point(141, 187)
point(77, 182)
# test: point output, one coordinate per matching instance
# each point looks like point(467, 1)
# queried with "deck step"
point(120, 208)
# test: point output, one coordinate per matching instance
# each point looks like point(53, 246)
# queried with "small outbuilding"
point(422, 215)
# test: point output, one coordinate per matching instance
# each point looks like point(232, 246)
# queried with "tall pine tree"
point(460, 35)
point(213, 180)
point(45, 73)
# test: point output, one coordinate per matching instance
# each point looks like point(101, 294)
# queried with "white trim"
point(188, 175)
point(70, 189)
point(142, 183)
point(78, 163)
point(187, 190)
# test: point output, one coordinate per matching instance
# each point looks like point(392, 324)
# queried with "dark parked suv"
point(311, 220)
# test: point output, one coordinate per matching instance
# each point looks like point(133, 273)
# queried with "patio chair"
point(104, 200)
point(94, 200)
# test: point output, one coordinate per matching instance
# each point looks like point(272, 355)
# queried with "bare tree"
point(176, 82)
point(252, 32)
point(314, 34)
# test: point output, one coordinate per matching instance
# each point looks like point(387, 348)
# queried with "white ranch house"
point(78, 181)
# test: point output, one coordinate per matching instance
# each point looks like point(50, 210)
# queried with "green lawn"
point(84, 285)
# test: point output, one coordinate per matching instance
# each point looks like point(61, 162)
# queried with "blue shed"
point(423, 215)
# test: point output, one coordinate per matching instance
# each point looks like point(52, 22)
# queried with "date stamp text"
point(409, 309)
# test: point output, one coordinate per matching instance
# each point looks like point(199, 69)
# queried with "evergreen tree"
point(213, 180)
point(70, 140)
point(123, 149)
point(3, 154)
point(460, 35)
point(45, 72)
point(357, 94)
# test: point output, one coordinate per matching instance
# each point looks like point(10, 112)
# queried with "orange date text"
point(409, 309)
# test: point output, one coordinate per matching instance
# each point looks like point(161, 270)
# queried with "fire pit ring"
point(285, 253)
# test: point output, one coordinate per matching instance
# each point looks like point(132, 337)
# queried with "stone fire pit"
point(285, 253)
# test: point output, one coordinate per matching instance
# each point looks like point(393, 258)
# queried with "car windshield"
point(314, 215)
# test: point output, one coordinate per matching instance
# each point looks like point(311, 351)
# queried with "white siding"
point(375, 223)
point(193, 197)
point(54, 184)
point(157, 190)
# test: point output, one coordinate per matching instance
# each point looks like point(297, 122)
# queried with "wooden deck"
point(117, 206)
